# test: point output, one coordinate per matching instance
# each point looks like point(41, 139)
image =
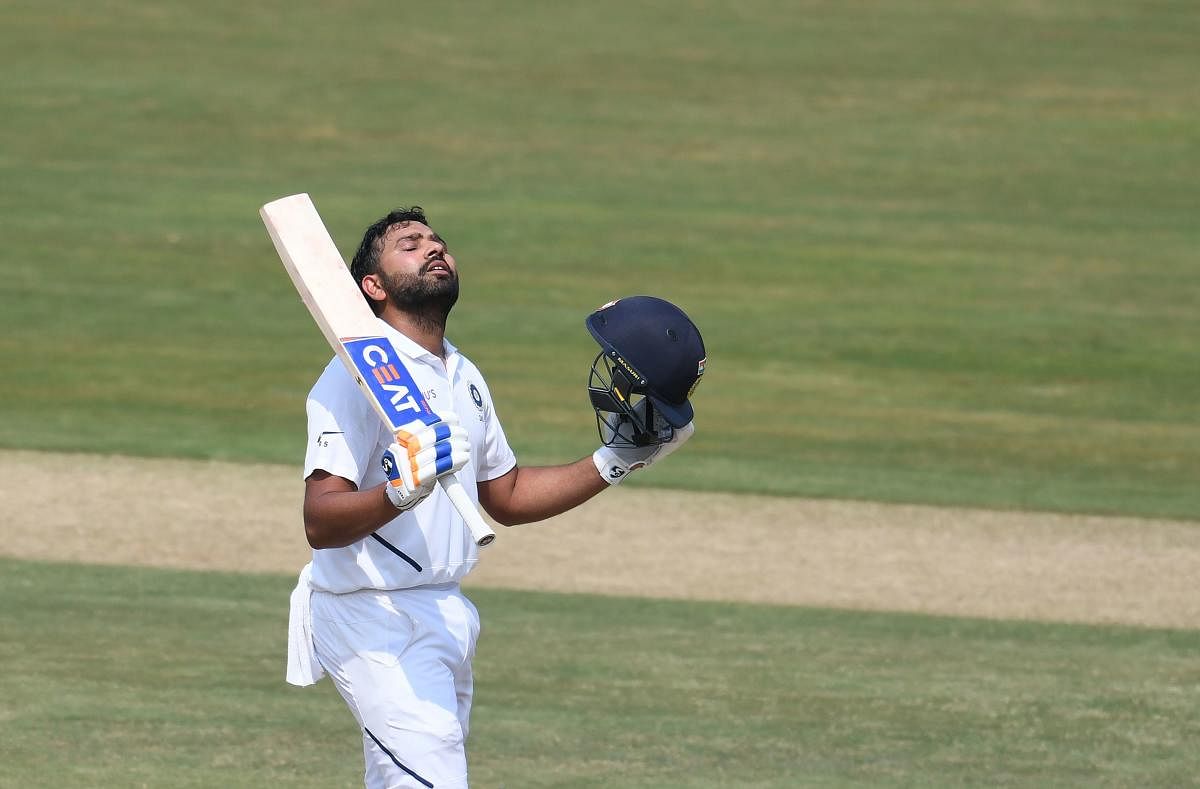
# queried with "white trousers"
point(402, 661)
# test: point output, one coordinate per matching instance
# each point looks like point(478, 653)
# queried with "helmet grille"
point(625, 417)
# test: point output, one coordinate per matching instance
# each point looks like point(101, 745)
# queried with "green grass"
point(135, 677)
point(940, 251)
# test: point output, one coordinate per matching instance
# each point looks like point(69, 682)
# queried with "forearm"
point(337, 518)
point(525, 495)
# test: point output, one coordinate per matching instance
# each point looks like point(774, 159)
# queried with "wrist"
point(395, 495)
point(611, 467)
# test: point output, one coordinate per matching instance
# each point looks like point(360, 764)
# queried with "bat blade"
point(333, 299)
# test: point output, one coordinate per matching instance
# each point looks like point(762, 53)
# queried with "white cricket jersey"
point(429, 544)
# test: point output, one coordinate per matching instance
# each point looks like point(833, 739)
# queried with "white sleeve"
point(343, 430)
point(497, 458)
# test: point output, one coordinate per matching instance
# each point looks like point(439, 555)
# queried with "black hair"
point(366, 259)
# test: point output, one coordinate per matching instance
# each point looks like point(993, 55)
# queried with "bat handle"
point(480, 531)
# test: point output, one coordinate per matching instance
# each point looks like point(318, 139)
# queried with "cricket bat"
point(340, 309)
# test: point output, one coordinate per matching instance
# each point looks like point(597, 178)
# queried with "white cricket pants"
point(402, 661)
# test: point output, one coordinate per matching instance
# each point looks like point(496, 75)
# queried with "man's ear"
point(373, 289)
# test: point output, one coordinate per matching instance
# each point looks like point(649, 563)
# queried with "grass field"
point(175, 679)
point(941, 252)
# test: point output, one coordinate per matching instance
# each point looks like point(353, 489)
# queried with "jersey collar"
point(414, 351)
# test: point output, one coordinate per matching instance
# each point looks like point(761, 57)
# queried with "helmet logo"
point(699, 375)
point(628, 368)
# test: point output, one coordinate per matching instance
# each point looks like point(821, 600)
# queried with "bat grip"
point(480, 531)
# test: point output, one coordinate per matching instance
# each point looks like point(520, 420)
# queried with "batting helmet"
point(652, 352)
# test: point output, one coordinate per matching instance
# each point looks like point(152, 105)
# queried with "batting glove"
point(421, 454)
point(616, 463)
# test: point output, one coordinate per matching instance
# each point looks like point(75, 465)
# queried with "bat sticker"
point(390, 383)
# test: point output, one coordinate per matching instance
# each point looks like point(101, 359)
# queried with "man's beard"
point(428, 302)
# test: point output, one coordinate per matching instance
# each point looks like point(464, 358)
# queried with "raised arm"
point(524, 495)
point(535, 493)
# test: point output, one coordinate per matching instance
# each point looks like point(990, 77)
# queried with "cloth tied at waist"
point(303, 667)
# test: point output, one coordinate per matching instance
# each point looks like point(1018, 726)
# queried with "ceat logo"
point(394, 384)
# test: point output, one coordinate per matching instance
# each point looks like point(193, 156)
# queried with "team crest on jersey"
point(477, 399)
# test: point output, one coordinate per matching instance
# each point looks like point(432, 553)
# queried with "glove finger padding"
point(441, 458)
point(447, 438)
point(422, 453)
